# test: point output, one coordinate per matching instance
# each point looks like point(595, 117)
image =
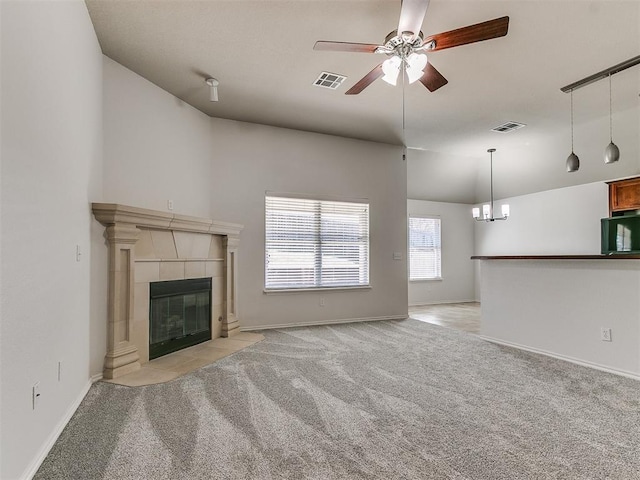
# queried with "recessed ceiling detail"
point(329, 80)
point(508, 127)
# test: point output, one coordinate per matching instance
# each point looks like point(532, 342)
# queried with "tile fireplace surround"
point(149, 246)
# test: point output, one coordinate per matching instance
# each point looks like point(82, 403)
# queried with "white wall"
point(250, 160)
point(51, 165)
point(560, 221)
point(564, 221)
point(559, 307)
point(457, 284)
point(156, 147)
point(223, 169)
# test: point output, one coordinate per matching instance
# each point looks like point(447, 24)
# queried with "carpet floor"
point(388, 399)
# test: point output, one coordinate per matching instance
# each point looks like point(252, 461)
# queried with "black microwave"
point(620, 234)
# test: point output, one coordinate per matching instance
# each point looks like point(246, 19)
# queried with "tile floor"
point(461, 316)
point(184, 361)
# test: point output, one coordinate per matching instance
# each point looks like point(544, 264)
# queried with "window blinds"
point(424, 248)
point(315, 243)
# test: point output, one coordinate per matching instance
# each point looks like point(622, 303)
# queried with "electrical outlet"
point(78, 253)
point(59, 371)
point(322, 301)
point(170, 204)
point(605, 334)
point(35, 395)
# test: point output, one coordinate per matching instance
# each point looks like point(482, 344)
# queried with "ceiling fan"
point(405, 47)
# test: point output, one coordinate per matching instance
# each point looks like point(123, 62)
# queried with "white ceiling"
point(262, 54)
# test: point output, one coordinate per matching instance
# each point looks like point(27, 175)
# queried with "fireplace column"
point(122, 354)
point(230, 325)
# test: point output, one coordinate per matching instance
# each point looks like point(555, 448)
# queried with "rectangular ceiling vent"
point(508, 127)
point(329, 80)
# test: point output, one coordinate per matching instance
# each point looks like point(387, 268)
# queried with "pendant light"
point(487, 210)
point(573, 162)
point(612, 152)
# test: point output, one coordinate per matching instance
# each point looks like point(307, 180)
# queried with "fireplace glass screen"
point(180, 315)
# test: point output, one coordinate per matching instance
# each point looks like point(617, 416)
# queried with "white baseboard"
point(322, 322)
point(48, 444)
point(566, 358)
point(441, 302)
point(96, 378)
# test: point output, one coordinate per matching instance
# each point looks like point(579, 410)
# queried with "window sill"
point(276, 291)
point(418, 280)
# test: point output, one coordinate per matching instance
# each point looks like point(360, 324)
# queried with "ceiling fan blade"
point(471, 34)
point(411, 16)
point(432, 78)
point(345, 47)
point(365, 81)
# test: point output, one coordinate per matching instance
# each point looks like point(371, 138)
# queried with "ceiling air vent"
point(329, 80)
point(508, 127)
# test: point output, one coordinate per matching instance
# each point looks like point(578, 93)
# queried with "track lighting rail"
point(632, 62)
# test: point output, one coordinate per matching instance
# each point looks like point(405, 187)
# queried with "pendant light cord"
point(572, 121)
point(404, 135)
point(610, 113)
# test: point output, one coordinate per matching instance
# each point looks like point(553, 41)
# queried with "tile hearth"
point(184, 361)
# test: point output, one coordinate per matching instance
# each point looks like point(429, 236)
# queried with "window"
point(424, 248)
point(315, 243)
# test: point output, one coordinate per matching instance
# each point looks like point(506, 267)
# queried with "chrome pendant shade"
point(573, 162)
point(612, 152)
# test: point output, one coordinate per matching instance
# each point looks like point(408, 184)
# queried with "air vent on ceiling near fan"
point(329, 80)
point(508, 127)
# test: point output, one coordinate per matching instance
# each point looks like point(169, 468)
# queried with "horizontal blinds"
point(315, 243)
point(424, 248)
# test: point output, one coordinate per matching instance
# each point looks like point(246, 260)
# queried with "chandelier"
point(487, 209)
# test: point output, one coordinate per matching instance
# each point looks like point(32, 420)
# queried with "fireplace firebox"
point(179, 315)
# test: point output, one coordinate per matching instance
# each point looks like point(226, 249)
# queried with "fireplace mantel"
point(150, 245)
point(112, 213)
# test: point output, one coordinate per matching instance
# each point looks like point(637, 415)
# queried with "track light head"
point(213, 88)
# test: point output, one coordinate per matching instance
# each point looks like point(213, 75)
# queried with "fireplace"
point(150, 250)
point(179, 315)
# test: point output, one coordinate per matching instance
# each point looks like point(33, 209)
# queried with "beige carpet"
point(382, 400)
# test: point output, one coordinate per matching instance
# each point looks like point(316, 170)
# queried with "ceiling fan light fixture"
point(391, 70)
point(416, 62)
